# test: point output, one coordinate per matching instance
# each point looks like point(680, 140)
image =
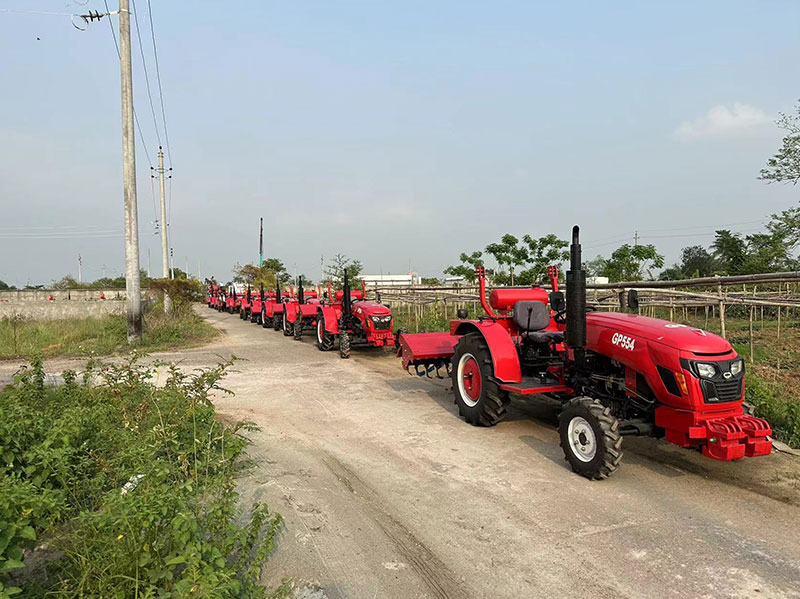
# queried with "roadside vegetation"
point(107, 335)
point(113, 487)
point(21, 337)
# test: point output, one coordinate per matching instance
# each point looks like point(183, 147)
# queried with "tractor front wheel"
point(590, 438)
point(344, 344)
point(263, 320)
point(478, 396)
point(298, 329)
point(277, 322)
point(324, 338)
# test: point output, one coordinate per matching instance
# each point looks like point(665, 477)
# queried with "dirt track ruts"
point(386, 492)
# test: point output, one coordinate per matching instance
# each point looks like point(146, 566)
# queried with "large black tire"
point(263, 320)
point(344, 344)
point(298, 329)
point(277, 322)
point(590, 438)
point(477, 393)
point(288, 327)
point(325, 339)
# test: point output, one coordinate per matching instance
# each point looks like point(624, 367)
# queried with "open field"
point(20, 337)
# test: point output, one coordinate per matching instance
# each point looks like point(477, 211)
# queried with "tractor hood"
point(371, 308)
point(678, 336)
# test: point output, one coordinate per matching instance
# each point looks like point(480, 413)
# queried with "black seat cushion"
point(531, 315)
point(544, 336)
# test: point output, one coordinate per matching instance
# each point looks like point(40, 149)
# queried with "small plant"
point(125, 489)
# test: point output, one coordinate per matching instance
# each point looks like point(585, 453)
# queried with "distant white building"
point(596, 280)
point(405, 280)
point(459, 280)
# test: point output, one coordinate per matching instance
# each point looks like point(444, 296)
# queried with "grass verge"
point(101, 336)
point(112, 487)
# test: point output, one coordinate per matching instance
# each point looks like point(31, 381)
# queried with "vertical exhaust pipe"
point(346, 295)
point(300, 295)
point(576, 298)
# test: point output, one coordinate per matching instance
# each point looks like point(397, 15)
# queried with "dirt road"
point(388, 493)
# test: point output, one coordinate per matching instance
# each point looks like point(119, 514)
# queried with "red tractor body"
point(353, 319)
point(616, 374)
point(301, 315)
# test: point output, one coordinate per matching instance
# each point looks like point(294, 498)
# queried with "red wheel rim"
point(470, 374)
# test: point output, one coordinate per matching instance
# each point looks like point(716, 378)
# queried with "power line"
point(146, 75)
point(135, 116)
point(158, 78)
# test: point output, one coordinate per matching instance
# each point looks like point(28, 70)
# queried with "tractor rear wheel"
point(298, 329)
point(277, 322)
point(324, 338)
point(478, 396)
point(344, 344)
point(590, 438)
point(288, 327)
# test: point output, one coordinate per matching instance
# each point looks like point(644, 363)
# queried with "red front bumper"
point(729, 436)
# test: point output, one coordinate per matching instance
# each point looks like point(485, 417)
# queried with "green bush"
point(771, 401)
point(132, 487)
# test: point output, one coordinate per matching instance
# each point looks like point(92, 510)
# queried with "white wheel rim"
point(461, 389)
point(319, 330)
point(581, 439)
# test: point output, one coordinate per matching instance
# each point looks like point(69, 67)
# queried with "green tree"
point(730, 251)
point(784, 166)
point(334, 271)
point(467, 267)
point(696, 261)
point(250, 274)
point(508, 253)
point(541, 253)
point(632, 262)
point(4, 286)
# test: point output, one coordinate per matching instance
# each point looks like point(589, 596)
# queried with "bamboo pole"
point(721, 312)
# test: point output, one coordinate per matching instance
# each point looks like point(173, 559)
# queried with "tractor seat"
point(531, 317)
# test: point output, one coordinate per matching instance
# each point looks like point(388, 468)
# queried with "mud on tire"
point(477, 393)
point(590, 438)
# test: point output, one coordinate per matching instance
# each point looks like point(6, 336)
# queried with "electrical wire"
point(158, 78)
point(146, 75)
point(135, 116)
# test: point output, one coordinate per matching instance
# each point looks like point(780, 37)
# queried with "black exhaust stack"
point(262, 292)
point(248, 294)
point(300, 296)
point(346, 299)
point(576, 298)
point(277, 288)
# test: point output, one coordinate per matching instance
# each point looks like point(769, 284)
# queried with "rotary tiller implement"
point(352, 319)
point(615, 374)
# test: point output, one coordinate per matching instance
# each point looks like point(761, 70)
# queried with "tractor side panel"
point(505, 358)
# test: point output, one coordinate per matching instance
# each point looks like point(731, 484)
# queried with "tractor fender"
point(331, 319)
point(505, 358)
point(290, 311)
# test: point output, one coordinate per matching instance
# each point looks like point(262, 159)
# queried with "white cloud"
point(722, 121)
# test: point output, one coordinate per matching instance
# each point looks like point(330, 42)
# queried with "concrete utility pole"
point(172, 263)
point(132, 283)
point(164, 255)
point(148, 263)
point(261, 244)
point(635, 238)
point(80, 269)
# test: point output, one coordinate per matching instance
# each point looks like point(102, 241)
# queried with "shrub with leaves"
point(125, 489)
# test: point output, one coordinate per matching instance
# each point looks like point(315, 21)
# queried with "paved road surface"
point(388, 493)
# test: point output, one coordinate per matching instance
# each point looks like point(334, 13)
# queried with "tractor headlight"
point(737, 367)
point(707, 371)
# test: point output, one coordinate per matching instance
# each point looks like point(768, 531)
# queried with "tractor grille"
point(721, 391)
point(381, 323)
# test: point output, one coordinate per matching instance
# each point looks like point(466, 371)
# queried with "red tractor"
point(212, 294)
point(272, 308)
point(353, 319)
point(232, 301)
point(301, 315)
point(245, 304)
point(614, 374)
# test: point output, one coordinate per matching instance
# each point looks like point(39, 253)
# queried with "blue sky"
point(397, 133)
